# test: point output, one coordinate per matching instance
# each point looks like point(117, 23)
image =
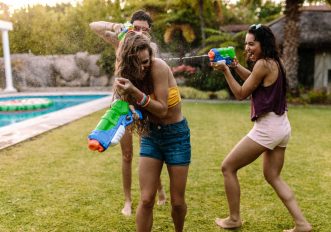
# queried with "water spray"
point(225, 55)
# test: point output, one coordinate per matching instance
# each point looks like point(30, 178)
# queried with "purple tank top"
point(269, 99)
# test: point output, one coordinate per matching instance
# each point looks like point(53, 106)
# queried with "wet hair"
point(266, 37)
point(143, 16)
point(128, 65)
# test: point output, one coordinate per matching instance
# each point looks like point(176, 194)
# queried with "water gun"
point(127, 27)
point(111, 127)
point(222, 55)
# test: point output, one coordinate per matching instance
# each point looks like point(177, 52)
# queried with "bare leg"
point(161, 193)
point(178, 179)
point(244, 153)
point(127, 152)
point(272, 166)
point(149, 175)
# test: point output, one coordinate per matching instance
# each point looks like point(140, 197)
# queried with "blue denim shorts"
point(169, 143)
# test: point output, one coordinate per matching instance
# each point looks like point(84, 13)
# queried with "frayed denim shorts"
point(169, 143)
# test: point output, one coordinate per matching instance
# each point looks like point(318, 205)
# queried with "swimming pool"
point(59, 102)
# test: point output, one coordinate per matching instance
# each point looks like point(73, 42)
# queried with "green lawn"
point(54, 183)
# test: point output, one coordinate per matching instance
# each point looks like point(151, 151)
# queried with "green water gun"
point(127, 27)
point(111, 127)
point(226, 55)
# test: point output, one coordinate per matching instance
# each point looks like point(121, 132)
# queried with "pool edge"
point(21, 131)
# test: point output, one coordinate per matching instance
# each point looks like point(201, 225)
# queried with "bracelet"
point(143, 100)
point(147, 101)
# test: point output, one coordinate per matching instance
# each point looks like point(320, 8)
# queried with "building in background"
point(315, 46)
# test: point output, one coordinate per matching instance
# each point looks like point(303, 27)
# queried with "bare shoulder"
point(265, 65)
point(160, 64)
point(160, 69)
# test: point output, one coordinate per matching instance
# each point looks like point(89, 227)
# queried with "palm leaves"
point(185, 29)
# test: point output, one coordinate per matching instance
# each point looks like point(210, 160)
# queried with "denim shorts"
point(169, 143)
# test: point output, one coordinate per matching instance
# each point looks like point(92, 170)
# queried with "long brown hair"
point(128, 65)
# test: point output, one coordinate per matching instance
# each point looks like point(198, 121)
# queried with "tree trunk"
point(202, 24)
point(219, 11)
point(291, 43)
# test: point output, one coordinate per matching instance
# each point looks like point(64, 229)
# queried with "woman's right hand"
point(122, 86)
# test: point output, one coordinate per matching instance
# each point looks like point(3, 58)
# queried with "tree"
point(202, 23)
point(291, 43)
point(4, 11)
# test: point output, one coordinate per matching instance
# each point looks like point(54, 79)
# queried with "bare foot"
point(162, 197)
point(126, 211)
point(301, 228)
point(227, 223)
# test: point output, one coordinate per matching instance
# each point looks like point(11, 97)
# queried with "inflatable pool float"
point(25, 104)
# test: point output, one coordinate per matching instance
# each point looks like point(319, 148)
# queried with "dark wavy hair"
point(142, 16)
point(266, 37)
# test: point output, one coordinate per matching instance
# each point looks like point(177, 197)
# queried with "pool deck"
point(18, 132)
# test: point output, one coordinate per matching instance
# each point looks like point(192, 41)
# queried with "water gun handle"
point(111, 127)
point(226, 55)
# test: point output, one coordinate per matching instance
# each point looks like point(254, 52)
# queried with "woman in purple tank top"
point(266, 85)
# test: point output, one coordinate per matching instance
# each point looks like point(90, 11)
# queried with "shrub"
point(107, 61)
point(192, 93)
point(317, 97)
point(222, 94)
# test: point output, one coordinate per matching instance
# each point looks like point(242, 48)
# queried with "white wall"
point(322, 65)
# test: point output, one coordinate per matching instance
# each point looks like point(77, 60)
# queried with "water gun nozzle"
point(94, 145)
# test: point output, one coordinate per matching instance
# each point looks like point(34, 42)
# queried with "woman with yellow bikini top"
point(148, 84)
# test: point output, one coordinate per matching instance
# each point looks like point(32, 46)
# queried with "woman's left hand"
point(221, 66)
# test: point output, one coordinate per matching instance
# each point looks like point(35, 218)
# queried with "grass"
point(53, 183)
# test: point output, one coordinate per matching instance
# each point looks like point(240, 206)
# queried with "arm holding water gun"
point(111, 32)
point(111, 127)
point(240, 91)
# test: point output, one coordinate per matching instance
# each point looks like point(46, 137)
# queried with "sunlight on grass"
point(54, 183)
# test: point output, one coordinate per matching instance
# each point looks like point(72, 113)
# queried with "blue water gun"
point(226, 55)
point(111, 127)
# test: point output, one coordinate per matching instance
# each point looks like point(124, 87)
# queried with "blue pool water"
point(59, 102)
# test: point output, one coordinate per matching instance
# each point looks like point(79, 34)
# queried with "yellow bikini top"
point(173, 96)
